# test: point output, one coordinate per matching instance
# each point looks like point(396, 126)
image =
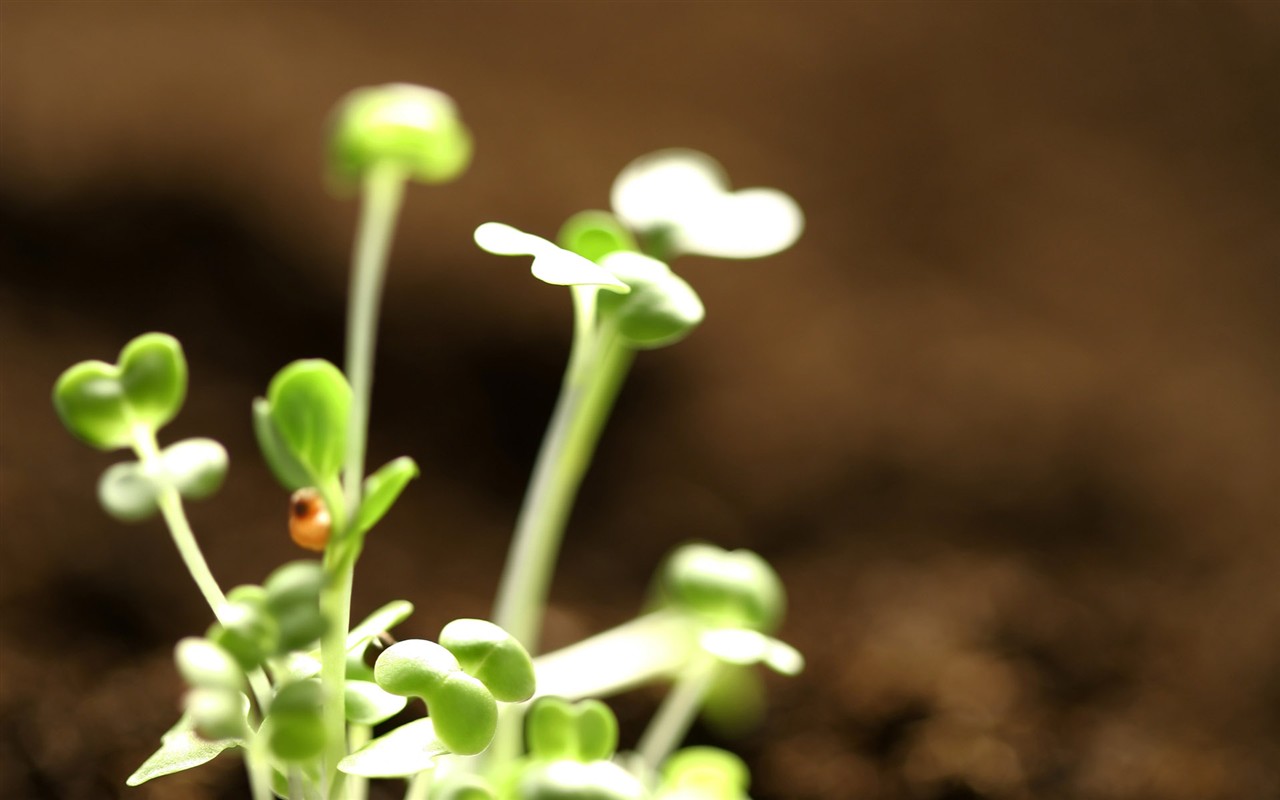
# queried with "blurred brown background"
point(1005, 419)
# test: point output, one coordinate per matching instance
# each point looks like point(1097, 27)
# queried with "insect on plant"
point(281, 674)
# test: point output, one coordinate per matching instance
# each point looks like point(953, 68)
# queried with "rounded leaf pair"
point(101, 403)
point(195, 467)
point(411, 128)
point(726, 589)
point(583, 731)
point(460, 679)
point(259, 622)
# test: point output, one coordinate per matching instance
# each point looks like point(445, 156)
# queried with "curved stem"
point(169, 501)
point(597, 367)
point(175, 518)
point(671, 723)
point(383, 190)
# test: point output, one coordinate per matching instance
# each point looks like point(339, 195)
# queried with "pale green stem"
point(646, 649)
point(675, 715)
point(175, 517)
point(259, 769)
point(586, 396)
point(358, 787)
point(169, 501)
point(419, 786)
point(383, 189)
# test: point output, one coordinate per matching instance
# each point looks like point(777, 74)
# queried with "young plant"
point(283, 676)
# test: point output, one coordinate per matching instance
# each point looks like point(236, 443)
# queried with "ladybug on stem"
point(309, 522)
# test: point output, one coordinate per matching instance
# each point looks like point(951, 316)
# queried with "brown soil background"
point(1005, 419)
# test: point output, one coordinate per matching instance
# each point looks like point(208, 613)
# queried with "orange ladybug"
point(309, 522)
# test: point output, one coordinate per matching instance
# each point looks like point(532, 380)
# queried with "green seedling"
point(282, 676)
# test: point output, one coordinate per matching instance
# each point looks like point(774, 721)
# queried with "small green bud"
point(203, 664)
point(492, 655)
point(100, 402)
point(731, 589)
point(293, 599)
point(594, 235)
point(127, 492)
point(246, 632)
point(705, 772)
point(411, 127)
point(660, 309)
point(217, 713)
point(296, 722)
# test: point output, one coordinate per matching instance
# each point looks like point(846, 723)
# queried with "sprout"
point(551, 263)
point(682, 198)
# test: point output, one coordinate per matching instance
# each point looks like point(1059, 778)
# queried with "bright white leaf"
point(504, 240)
point(405, 751)
point(783, 658)
point(741, 646)
point(551, 263)
point(688, 193)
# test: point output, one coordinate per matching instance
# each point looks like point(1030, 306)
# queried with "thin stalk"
point(419, 787)
point(358, 787)
point(597, 367)
point(175, 518)
point(383, 189)
point(169, 501)
point(675, 715)
point(647, 648)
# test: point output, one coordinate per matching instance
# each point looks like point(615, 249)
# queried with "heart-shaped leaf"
point(582, 731)
point(381, 489)
point(407, 750)
point(551, 263)
point(491, 655)
point(683, 196)
point(100, 402)
point(127, 492)
point(661, 308)
point(308, 402)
